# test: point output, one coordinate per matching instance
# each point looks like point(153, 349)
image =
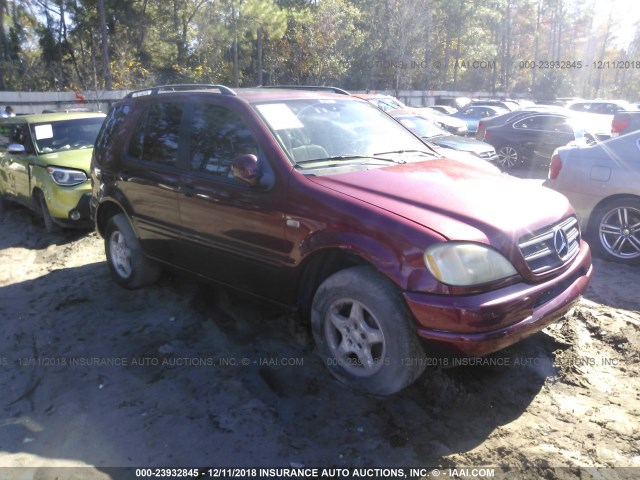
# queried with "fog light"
point(75, 215)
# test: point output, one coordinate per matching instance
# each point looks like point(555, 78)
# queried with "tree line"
point(541, 49)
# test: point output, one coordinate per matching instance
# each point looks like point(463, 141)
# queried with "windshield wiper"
point(402, 152)
point(345, 157)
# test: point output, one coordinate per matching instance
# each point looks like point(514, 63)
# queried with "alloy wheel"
point(619, 232)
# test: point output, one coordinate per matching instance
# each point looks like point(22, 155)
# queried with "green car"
point(44, 164)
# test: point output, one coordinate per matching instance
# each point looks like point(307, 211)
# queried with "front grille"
point(552, 246)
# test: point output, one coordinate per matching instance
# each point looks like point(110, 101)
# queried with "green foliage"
point(464, 45)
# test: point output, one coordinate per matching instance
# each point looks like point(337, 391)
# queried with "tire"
point(508, 157)
point(49, 224)
point(365, 332)
point(127, 263)
point(615, 231)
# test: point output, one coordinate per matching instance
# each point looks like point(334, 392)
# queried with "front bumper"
point(477, 325)
point(69, 207)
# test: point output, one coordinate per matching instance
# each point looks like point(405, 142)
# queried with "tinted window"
point(217, 137)
point(531, 123)
point(558, 124)
point(113, 120)
point(155, 139)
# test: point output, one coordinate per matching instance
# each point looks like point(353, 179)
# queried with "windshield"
point(421, 126)
point(339, 131)
point(62, 135)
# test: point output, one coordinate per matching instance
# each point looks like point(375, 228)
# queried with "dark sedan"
point(440, 137)
point(533, 137)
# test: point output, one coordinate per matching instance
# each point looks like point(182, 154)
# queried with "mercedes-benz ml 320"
point(318, 200)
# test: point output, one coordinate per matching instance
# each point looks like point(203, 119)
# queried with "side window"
point(5, 136)
point(115, 116)
point(530, 123)
point(558, 124)
point(217, 136)
point(155, 138)
point(20, 135)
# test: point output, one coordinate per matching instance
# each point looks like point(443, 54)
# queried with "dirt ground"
point(182, 374)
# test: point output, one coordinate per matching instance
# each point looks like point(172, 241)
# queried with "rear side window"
point(531, 123)
point(155, 138)
point(111, 123)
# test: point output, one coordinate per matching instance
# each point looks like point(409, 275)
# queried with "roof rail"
point(308, 87)
point(180, 88)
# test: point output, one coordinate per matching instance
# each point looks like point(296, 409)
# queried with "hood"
point(455, 199)
point(80, 159)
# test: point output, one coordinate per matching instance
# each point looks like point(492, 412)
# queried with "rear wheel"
point(127, 262)
point(616, 228)
point(508, 157)
point(365, 332)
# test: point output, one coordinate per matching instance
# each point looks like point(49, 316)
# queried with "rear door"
point(557, 132)
point(148, 176)
point(233, 233)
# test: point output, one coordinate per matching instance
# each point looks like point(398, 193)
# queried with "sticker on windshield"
point(43, 131)
point(279, 116)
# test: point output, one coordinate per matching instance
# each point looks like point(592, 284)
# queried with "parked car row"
point(319, 201)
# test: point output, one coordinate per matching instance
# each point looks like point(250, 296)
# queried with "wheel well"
point(35, 198)
point(605, 201)
point(317, 269)
point(104, 213)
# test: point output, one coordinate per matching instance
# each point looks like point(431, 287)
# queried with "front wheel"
point(616, 226)
point(49, 223)
point(127, 262)
point(508, 157)
point(365, 332)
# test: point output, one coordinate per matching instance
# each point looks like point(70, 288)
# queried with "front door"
point(232, 232)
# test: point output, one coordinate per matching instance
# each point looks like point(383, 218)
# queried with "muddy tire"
point(49, 224)
point(615, 231)
point(127, 262)
point(365, 332)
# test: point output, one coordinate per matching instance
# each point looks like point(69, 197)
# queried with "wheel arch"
point(591, 223)
point(319, 266)
point(104, 212)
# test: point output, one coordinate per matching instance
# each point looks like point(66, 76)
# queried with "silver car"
point(603, 184)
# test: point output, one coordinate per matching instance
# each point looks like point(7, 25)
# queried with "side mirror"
point(245, 168)
point(16, 148)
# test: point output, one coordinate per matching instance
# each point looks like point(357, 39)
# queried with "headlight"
point(66, 176)
point(466, 264)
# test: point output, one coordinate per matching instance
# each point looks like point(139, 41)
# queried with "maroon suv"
point(318, 200)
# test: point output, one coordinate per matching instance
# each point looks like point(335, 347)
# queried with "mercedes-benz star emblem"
point(560, 243)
